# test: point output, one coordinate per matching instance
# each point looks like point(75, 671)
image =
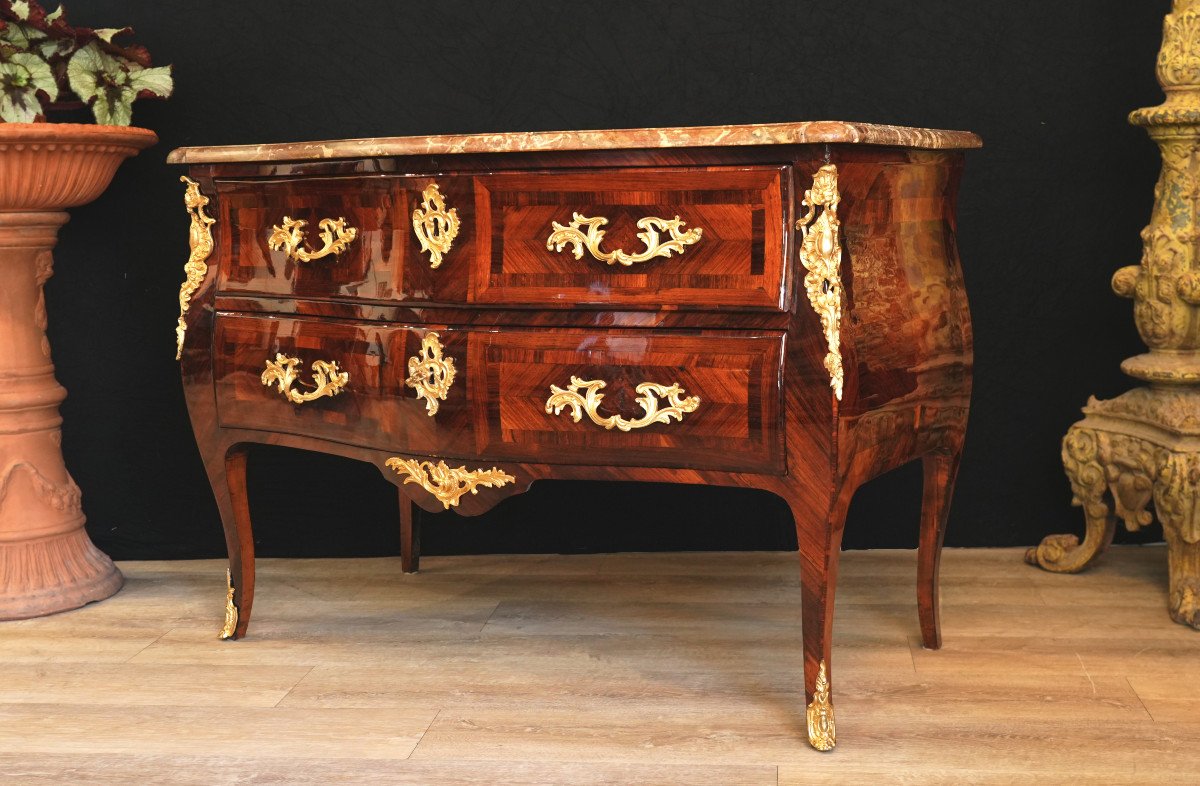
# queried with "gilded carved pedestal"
point(1142, 449)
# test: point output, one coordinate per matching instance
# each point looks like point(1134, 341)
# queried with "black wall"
point(1049, 209)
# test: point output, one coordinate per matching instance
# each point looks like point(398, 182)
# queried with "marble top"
point(823, 131)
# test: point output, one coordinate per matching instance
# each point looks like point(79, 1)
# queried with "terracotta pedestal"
point(47, 562)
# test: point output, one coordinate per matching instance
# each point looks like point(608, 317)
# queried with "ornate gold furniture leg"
point(1177, 500)
point(1144, 446)
point(1082, 461)
point(1184, 566)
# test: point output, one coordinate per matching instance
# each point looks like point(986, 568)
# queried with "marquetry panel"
point(737, 262)
point(736, 377)
point(383, 263)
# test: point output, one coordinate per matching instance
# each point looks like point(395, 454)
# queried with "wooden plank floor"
point(608, 669)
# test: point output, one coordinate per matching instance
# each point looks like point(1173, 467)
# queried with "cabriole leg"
point(410, 536)
point(227, 474)
point(820, 537)
point(941, 469)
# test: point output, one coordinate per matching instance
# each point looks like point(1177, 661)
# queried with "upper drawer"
point(644, 238)
point(377, 256)
point(727, 251)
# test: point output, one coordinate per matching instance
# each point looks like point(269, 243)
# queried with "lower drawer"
point(616, 397)
point(374, 408)
point(630, 398)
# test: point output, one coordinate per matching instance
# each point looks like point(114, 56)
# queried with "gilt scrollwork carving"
point(651, 235)
point(328, 379)
point(1174, 409)
point(1179, 56)
point(1081, 457)
point(649, 399)
point(1177, 495)
point(1165, 285)
point(445, 483)
point(200, 243)
point(1177, 504)
point(430, 374)
point(821, 255)
point(288, 237)
point(434, 225)
point(1112, 478)
point(1132, 459)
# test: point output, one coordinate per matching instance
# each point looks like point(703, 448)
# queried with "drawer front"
point(384, 260)
point(734, 424)
point(729, 250)
point(373, 408)
point(722, 413)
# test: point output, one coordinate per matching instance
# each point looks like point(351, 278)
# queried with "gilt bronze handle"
point(335, 237)
point(328, 379)
point(649, 394)
point(651, 234)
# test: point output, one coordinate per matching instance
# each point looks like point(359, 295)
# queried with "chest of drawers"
point(769, 306)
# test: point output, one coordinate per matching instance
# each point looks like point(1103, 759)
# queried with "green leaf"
point(107, 84)
point(111, 84)
point(106, 34)
point(43, 59)
point(21, 36)
point(53, 47)
point(18, 96)
point(90, 70)
point(13, 77)
point(115, 108)
point(41, 76)
point(154, 80)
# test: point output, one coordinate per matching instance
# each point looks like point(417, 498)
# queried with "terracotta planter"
point(47, 562)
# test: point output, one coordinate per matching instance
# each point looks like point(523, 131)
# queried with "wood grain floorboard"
point(214, 770)
point(147, 684)
point(1170, 697)
point(605, 669)
point(192, 730)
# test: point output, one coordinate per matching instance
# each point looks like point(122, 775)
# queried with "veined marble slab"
point(824, 131)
